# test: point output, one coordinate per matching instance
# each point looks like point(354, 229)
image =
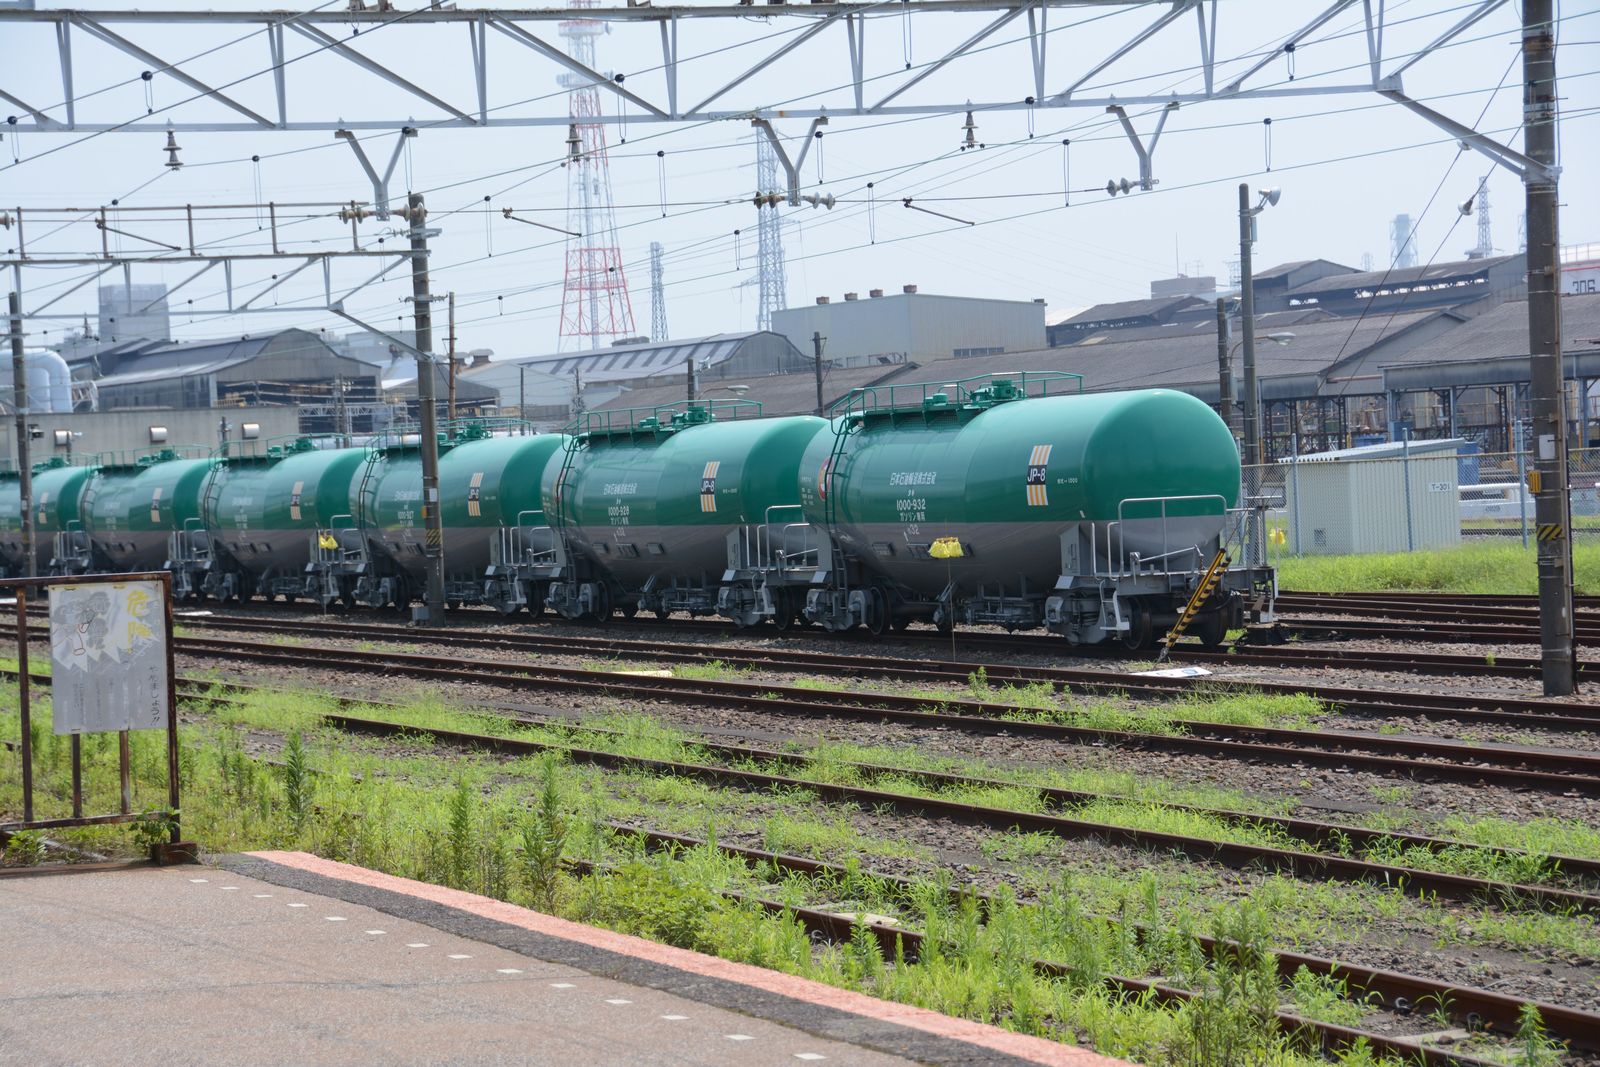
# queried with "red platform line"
point(1032, 1049)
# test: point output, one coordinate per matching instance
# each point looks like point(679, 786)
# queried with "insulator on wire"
point(574, 143)
point(971, 129)
point(173, 162)
point(825, 200)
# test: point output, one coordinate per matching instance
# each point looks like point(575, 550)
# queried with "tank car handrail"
point(649, 418)
point(997, 387)
point(1166, 552)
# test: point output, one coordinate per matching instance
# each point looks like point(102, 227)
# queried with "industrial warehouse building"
point(911, 327)
point(548, 384)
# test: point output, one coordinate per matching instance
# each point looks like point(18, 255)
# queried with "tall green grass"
point(1473, 568)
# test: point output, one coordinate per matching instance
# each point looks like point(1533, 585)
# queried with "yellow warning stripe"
point(1038, 496)
point(1202, 593)
point(1552, 531)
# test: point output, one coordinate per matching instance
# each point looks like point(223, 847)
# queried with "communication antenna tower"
point(1235, 272)
point(594, 298)
point(769, 240)
point(658, 295)
point(1402, 243)
point(1366, 262)
point(1485, 247)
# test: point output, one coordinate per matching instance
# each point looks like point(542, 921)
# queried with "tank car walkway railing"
point(1130, 563)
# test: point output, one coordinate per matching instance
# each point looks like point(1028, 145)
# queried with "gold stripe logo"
point(294, 500)
point(1038, 494)
point(708, 486)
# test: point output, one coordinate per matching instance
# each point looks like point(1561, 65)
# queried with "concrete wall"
point(920, 327)
point(112, 431)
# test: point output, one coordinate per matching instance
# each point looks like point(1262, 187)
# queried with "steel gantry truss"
point(171, 235)
point(815, 33)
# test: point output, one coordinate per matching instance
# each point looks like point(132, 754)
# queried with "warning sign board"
point(108, 657)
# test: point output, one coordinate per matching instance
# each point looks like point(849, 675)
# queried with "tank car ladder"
point(1203, 591)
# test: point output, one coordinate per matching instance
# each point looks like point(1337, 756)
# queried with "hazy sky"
point(1346, 163)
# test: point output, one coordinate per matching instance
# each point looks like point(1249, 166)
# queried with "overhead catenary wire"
point(991, 197)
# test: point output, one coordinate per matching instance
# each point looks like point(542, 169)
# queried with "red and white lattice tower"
point(594, 299)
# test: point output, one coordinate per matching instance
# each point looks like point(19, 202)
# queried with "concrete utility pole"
point(1247, 321)
point(1224, 368)
point(450, 404)
point(816, 348)
point(19, 401)
point(422, 311)
point(1552, 507)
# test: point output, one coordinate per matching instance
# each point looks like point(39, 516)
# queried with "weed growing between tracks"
point(264, 773)
point(1473, 568)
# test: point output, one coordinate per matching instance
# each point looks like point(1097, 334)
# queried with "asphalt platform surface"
point(285, 958)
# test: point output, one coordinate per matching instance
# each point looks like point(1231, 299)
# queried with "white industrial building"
point(909, 326)
point(1390, 497)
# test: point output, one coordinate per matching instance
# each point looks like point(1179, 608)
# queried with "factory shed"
point(1491, 280)
point(1273, 285)
point(778, 394)
point(1474, 382)
point(289, 367)
point(604, 373)
point(1121, 315)
point(1298, 400)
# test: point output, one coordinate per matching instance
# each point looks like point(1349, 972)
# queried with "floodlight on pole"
point(1247, 315)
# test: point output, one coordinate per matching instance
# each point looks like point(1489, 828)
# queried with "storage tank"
point(49, 381)
point(132, 508)
point(1008, 474)
point(489, 488)
point(266, 510)
point(653, 500)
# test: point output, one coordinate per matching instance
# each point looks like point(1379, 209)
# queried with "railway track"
point(1393, 991)
point(1513, 767)
point(826, 655)
point(1474, 1009)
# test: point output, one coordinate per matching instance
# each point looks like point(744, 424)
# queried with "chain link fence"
point(1425, 498)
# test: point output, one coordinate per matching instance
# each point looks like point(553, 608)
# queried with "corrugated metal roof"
point(778, 394)
point(1431, 274)
point(184, 370)
point(640, 360)
point(1502, 332)
point(1385, 450)
point(1130, 309)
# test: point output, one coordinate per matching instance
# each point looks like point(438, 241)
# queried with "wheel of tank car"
point(945, 623)
point(899, 623)
point(660, 614)
point(1212, 629)
point(630, 611)
point(784, 617)
point(782, 610)
point(536, 595)
point(877, 620)
point(1141, 632)
point(452, 605)
point(601, 613)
